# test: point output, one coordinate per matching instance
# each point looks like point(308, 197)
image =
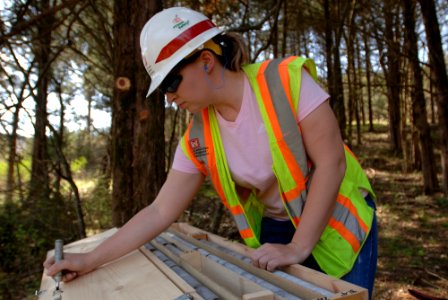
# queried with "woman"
point(268, 139)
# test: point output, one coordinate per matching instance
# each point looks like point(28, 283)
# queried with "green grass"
point(24, 169)
point(3, 169)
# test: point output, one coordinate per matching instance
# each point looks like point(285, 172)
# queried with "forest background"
point(83, 150)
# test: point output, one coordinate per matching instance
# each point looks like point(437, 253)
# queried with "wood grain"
point(132, 276)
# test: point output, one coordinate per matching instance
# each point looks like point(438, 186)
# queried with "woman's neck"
point(229, 98)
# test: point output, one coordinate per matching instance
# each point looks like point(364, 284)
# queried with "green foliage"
point(97, 205)
point(79, 164)
point(25, 168)
point(86, 150)
point(22, 247)
point(27, 232)
point(3, 168)
point(442, 202)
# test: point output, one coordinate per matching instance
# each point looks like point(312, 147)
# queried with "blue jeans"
point(364, 269)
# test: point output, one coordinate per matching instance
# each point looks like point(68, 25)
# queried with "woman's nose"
point(170, 98)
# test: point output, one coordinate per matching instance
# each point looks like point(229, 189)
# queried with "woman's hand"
point(272, 256)
point(174, 197)
point(72, 266)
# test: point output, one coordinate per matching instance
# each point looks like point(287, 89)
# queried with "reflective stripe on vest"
point(206, 150)
point(276, 85)
point(274, 99)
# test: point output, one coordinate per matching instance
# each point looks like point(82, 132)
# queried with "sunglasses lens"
point(174, 85)
point(171, 83)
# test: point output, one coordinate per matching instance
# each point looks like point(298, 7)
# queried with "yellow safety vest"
point(276, 85)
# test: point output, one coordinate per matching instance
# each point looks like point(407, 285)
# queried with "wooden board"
point(132, 276)
point(222, 281)
point(141, 275)
point(342, 290)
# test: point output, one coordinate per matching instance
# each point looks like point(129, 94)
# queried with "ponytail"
point(234, 50)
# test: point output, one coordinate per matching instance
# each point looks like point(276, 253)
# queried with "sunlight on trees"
point(79, 156)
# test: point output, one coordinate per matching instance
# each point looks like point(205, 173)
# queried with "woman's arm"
point(324, 146)
point(174, 197)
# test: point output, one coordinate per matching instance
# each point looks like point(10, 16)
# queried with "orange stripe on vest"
point(296, 221)
point(246, 233)
point(349, 205)
point(211, 157)
point(345, 233)
point(291, 195)
point(236, 210)
point(270, 110)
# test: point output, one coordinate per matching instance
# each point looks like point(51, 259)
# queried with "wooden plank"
point(197, 233)
point(262, 295)
point(170, 240)
point(176, 279)
point(141, 275)
point(268, 276)
point(187, 266)
point(342, 290)
point(218, 273)
point(47, 283)
point(89, 243)
point(222, 281)
point(132, 276)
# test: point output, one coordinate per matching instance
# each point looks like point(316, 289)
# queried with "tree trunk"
point(438, 70)
point(89, 93)
point(39, 190)
point(350, 37)
point(12, 139)
point(10, 183)
point(64, 171)
point(58, 139)
point(338, 103)
point(407, 133)
point(359, 104)
point(368, 67)
point(419, 113)
point(351, 91)
point(275, 37)
point(138, 155)
point(393, 76)
point(336, 88)
point(329, 48)
point(285, 28)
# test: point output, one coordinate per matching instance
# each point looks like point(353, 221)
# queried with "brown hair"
point(234, 50)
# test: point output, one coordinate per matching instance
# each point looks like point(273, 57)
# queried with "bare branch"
point(18, 28)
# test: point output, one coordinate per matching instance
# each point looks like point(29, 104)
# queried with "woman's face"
point(191, 93)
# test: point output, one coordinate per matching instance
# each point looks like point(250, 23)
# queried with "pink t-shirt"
point(246, 146)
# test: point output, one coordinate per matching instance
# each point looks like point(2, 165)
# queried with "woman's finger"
point(48, 262)
point(69, 276)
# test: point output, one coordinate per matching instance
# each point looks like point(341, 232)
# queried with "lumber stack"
point(185, 262)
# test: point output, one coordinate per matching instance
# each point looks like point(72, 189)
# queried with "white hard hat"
point(171, 35)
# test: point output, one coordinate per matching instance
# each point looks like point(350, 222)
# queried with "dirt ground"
point(413, 227)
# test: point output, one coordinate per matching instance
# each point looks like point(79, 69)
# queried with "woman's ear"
point(208, 60)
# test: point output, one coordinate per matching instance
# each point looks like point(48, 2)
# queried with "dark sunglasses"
point(172, 81)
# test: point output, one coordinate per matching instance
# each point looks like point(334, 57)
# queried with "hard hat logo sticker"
point(179, 23)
